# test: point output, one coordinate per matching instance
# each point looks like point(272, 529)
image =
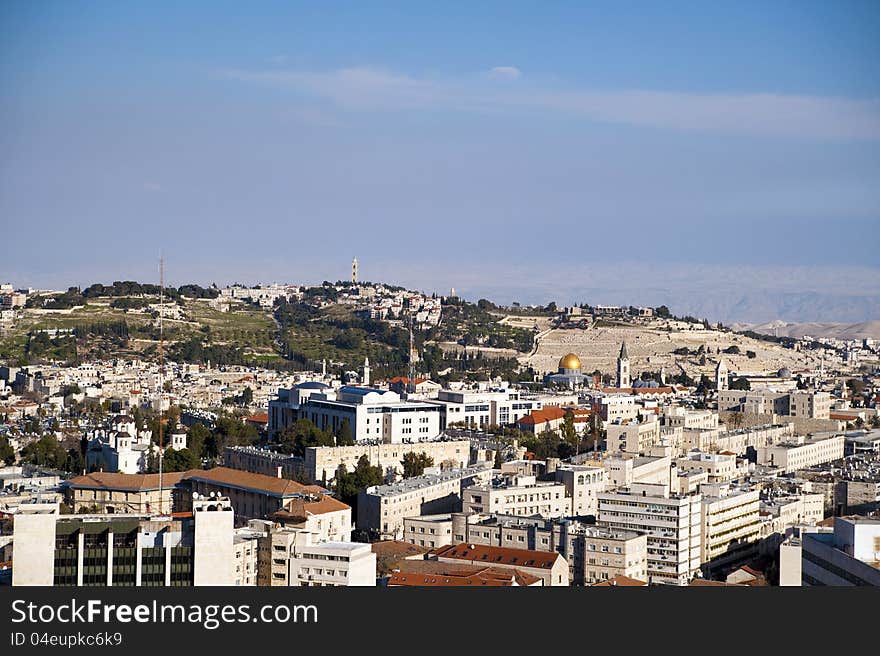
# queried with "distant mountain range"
point(814, 329)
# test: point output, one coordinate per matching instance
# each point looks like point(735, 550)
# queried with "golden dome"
point(570, 361)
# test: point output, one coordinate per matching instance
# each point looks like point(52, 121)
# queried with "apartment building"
point(430, 531)
point(594, 553)
point(624, 470)
point(731, 526)
point(482, 408)
point(802, 452)
point(849, 555)
point(140, 494)
point(810, 404)
point(373, 415)
point(720, 467)
point(50, 549)
point(676, 416)
point(333, 564)
point(382, 508)
point(632, 437)
point(672, 523)
point(517, 495)
point(321, 462)
point(582, 485)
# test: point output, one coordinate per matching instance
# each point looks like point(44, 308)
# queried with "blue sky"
point(535, 151)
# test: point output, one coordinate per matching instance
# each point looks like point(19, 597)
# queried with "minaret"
point(721, 375)
point(366, 376)
point(623, 376)
point(354, 271)
point(324, 368)
point(663, 375)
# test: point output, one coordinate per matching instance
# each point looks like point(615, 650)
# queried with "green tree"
point(344, 436)
point(740, 383)
point(735, 419)
point(45, 452)
point(302, 434)
point(414, 464)
point(856, 386)
point(7, 453)
point(176, 460)
point(196, 437)
point(569, 432)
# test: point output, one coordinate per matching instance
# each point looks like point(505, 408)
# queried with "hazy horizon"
point(721, 160)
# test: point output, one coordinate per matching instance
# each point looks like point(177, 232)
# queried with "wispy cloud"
point(805, 117)
point(505, 72)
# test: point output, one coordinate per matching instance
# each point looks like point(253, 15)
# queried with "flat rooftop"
point(425, 481)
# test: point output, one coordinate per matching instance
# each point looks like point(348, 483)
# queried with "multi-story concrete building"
point(736, 441)
point(518, 495)
point(632, 437)
point(382, 508)
point(673, 524)
point(321, 462)
point(124, 550)
point(430, 531)
point(678, 416)
point(594, 553)
point(779, 513)
point(760, 402)
point(624, 470)
point(720, 467)
point(255, 496)
point(582, 485)
point(802, 452)
point(373, 415)
point(810, 404)
point(104, 492)
point(616, 407)
point(482, 408)
point(847, 556)
point(333, 564)
point(264, 461)
point(731, 526)
point(550, 567)
point(246, 550)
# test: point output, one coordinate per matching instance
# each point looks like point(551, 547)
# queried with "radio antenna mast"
point(161, 367)
point(411, 386)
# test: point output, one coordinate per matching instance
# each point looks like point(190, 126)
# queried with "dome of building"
point(784, 373)
point(570, 361)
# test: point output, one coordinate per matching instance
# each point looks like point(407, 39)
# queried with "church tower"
point(366, 377)
point(721, 375)
point(623, 375)
point(354, 271)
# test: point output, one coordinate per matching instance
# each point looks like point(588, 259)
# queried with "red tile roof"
point(132, 482)
point(435, 575)
point(620, 580)
point(248, 480)
point(490, 555)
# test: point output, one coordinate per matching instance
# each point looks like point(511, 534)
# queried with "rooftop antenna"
point(411, 383)
point(161, 366)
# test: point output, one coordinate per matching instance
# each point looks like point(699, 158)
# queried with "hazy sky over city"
point(535, 151)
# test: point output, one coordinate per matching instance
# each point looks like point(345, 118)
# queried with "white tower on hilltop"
point(623, 376)
point(721, 375)
point(354, 271)
point(366, 376)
